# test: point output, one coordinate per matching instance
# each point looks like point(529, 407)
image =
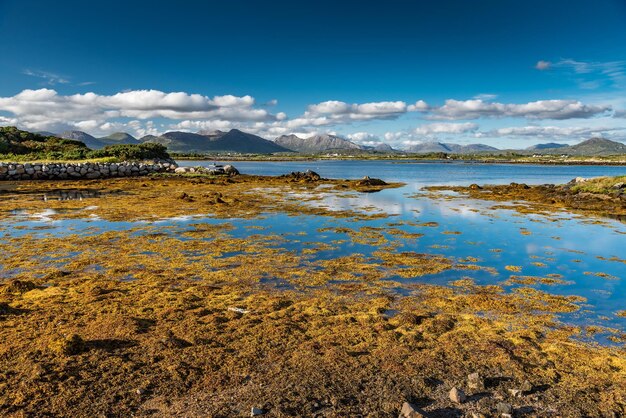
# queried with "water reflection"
point(561, 243)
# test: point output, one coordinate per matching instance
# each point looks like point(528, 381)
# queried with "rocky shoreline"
point(580, 194)
point(89, 170)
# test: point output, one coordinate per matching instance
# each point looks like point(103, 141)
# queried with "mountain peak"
point(316, 143)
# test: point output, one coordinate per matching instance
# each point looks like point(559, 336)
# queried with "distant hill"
point(315, 144)
point(590, 147)
point(434, 147)
point(549, 145)
point(472, 148)
point(16, 141)
point(383, 148)
point(595, 146)
point(119, 138)
point(85, 138)
point(180, 141)
point(232, 141)
point(429, 147)
point(238, 141)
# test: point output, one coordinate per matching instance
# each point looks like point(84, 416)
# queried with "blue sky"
point(506, 73)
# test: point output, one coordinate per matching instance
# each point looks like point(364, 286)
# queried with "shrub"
point(21, 145)
point(147, 151)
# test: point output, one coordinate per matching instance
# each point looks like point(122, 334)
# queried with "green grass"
point(18, 146)
point(601, 185)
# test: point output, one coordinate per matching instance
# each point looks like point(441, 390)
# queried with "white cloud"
point(485, 96)
point(418, 106)
point(543, 65)
point(45, 109)
point(589, 74)
point(445, 128)
point(142, 112)
point(364, 138)
point(555, 132)
point(49, 78)
point(337, 111)
point(541, 109)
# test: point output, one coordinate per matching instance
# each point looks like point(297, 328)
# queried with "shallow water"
point(563, 244)
point(419, 174)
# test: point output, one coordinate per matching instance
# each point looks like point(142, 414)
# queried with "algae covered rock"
point(69, 346)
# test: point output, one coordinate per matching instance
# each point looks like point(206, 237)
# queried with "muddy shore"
point(147, 321)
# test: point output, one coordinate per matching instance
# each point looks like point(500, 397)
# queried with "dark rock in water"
point(306, 176)
point(231, 170)
point(367, 181)
point(457, 395)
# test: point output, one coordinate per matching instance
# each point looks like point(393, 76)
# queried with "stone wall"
point(35, 171)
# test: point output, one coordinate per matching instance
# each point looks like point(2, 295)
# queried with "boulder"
point(231, 170)
point(367, 181)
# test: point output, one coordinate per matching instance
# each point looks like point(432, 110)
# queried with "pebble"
point(504, 408)
point(256, 412)
point(526, 386)
point(457, 395)
point(516, 393)
point(410, 411)
point(475, 382)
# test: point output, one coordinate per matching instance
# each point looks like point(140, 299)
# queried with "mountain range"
point(593, 146)
point(316, 143)
point(97, 143)
point(236, 141)
point(432, 147)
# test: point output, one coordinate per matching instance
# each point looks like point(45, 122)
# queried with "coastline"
point(402, 160)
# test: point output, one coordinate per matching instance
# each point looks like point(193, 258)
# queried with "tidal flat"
point(199, 296)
